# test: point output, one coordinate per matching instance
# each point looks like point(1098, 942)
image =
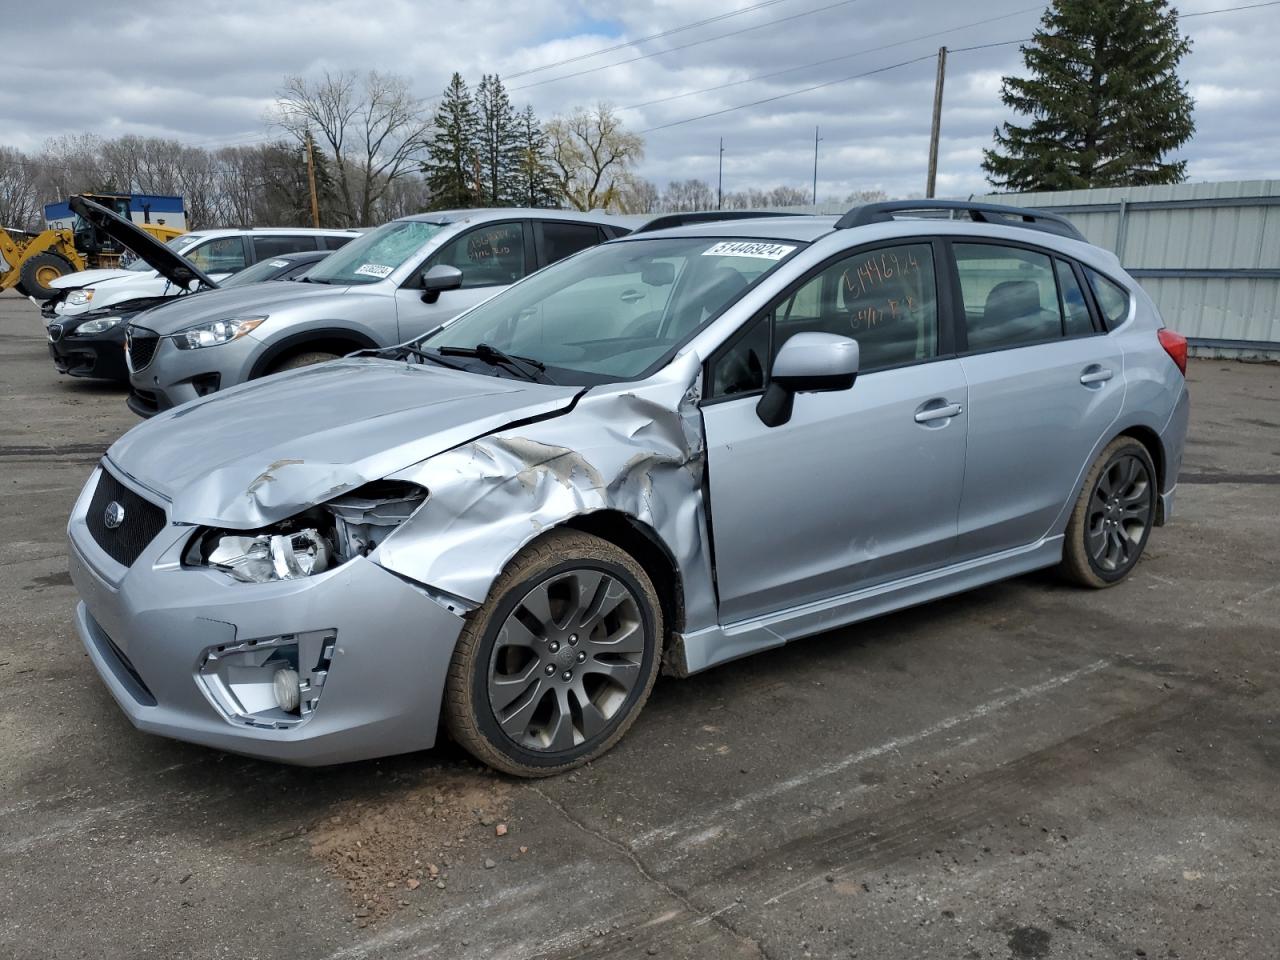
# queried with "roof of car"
point(486, 214)
point(291, 231)
point(803, 228)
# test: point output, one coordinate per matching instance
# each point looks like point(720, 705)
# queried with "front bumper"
point(147, 627)
point(174, 376)
point(100, 357)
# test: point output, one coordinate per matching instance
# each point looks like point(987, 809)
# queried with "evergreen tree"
point(498, 144)
point(537, 187)
point(1103, 97)
point(452, 163)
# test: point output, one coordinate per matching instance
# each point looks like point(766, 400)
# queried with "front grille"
point(140, 345)
point(55, 332)
point(137, 526)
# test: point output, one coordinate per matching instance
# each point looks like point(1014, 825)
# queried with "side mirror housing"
point(438, 279)
point(807, 363)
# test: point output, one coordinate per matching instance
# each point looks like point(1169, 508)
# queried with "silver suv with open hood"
point(668, 451)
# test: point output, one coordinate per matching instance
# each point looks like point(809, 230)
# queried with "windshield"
point(614, 311)
point(374, 256)
point(262, 270)
point(180, 243)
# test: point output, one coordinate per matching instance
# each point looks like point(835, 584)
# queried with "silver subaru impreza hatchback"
point(660, 454)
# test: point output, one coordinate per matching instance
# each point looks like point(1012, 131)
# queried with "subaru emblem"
point(113, 516)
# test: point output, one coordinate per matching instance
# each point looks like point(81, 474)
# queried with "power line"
point(844, 56)
point(1248, 6)
point(686, 46)
point(652, 36)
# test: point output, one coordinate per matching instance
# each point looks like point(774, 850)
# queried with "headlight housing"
point(99, 325)
point(214, 332)
point(78, 297)
point(316, 540)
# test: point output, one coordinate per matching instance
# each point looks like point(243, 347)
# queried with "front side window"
point(1010, 296)
point(615, 311)
point(885, 298)
point(223, 255)
point(375, 255)
point(487, 256)
point(1113, 299)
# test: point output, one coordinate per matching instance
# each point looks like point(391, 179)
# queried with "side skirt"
point(721, 643)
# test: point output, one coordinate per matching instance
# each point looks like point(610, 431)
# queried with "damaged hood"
point(263, 451)
point(175, 315)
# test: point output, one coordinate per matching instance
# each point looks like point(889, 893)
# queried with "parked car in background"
point(670, 450)
point(218, 253)
point(392, 284)
point(92, 344)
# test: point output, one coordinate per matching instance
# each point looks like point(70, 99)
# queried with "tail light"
point(1175, 345)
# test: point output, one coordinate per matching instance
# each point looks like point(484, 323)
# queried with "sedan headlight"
point(78, 297)
point(91, 327)
point(215, 332)
point(319, 539)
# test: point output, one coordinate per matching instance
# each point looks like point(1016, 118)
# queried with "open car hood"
point(174, 267)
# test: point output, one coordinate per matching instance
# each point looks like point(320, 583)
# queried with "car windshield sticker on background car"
point(660, 454)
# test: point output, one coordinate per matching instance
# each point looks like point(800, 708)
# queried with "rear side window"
point(1076, 321)
point(560, 240)
point(335, 243)
point(1113, 299)
point(487, 256)
point(1010, 296)
point(273, 246)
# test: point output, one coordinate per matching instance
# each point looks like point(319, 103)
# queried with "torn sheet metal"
point(637, 449)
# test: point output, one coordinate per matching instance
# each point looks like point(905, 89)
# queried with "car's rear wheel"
point(1113, 516)
point(306, 359)
point(554, 667)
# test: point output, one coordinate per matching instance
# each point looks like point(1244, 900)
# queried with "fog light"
point(286, 689)
point(273, 682)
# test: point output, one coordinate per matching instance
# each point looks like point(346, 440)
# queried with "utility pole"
point(937, 122)
point(720, 179)
point(816, 140)
point(311, 181)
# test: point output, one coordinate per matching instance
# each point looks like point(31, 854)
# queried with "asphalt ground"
point(1028, 770)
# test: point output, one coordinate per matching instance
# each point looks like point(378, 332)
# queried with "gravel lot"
point(1025, 771)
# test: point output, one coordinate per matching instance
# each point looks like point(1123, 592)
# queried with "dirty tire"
point(37, 273)
point(306, 359)
point(1133, 516)
point(560, 568)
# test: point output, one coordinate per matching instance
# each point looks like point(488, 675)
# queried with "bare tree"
point(638, 195)
point(19, 192)
point(592, 156)
point(371, 125)
point(682, 196)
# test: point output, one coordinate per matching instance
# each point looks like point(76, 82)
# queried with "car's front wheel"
point(1113, 516)
point(554, 667)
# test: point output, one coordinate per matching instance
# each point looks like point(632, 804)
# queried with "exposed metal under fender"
point(636, 449)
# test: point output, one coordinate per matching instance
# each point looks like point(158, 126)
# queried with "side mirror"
point(807, 363)
point(438, 279)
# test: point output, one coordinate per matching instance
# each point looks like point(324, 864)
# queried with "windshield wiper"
point(407, 349)
point(527, 367)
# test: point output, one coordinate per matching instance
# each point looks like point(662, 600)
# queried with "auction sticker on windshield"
point(378, 270)
point(746, 248)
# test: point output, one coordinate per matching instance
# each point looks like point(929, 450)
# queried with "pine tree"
point(1105, 103)
point(498, 144)
point(537, 187)
point(452, 161)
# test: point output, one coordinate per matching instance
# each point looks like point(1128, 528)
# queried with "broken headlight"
point(316, 540)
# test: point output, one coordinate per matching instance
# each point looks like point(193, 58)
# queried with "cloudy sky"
point(207, 72)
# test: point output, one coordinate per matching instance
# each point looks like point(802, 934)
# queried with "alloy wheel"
point(566, 660)
point(1120, 512)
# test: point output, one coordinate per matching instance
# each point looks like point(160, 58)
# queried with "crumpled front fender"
point(638, 449)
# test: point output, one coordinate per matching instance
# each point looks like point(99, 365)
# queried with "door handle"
point(939, 413)
point(631, 296)
point(1095, 375)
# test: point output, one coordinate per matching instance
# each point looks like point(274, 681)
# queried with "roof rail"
point(993, 213)
point(666, 220)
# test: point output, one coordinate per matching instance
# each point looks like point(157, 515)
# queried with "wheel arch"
point(333, 338)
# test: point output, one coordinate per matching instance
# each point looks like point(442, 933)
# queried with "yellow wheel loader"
point(32, 261)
